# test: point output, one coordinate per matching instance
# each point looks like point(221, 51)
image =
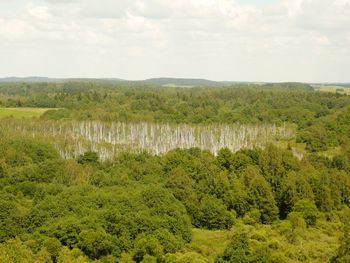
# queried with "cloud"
point(297, 40)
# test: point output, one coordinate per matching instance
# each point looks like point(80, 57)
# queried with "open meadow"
point(334, 89)
point(20, 113)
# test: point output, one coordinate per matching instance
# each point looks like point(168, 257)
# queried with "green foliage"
point(96, 243)
point(272, 167)
point(308, 210)
point(252, 217)
point(141, 208)
point(72, 256)
point(14, 251)
point(295, 187)
point(103, 208)
point(343, 254)
point(212, 214)
point(147, 249)
point(260, 195)
point(88, 157)
point(322, 118)
point(52, 246)
point(180, 183)
point(237, 251)
point(170, 243)
point(225, 159)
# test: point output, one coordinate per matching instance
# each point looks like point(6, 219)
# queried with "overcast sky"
point(251, 40)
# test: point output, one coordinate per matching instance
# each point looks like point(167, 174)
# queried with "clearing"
point(333, 89)
point(20, 113)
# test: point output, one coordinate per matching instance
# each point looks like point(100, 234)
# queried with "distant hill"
point(27, 79)
point(347, 85)
point(45, 79)
point(332, 84)
point(176, 82)
point(181, 82)
point(166, 82)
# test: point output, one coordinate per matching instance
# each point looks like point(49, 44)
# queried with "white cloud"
point(40, 13)
point(292, 40)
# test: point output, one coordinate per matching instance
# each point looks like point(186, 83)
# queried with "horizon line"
point(175, 78)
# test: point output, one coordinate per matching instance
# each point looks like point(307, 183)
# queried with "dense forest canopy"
point(262, 204)
point(322, 118)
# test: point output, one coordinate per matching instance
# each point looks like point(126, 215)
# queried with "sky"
point(238, 40)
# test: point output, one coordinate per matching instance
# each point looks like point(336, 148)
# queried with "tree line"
point(321, 118)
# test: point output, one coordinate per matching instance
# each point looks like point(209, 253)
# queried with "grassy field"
point(334, 89)
point(20, 113)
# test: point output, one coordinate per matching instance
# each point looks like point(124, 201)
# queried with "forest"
point(107, 171)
